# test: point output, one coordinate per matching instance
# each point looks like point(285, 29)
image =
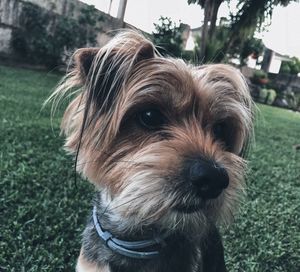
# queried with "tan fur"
point(84, 266)
point(136, 169)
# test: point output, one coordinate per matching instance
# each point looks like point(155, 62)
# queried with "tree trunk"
point(213, 18)
point(210, 16)
point(203, 40)
point(246, 23)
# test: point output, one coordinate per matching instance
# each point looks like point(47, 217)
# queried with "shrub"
point(168, 37)
point(291, 99)
point(260, 77)
point(297, 103)
point(189, 56)
point(267, 96)
point(285, 68)
point(214, 47)
point(271, 96)
point(251, 46)
point(45, 37)
point(262, 95)
point(291, 67)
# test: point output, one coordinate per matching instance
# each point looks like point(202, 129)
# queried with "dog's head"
point(163, 140)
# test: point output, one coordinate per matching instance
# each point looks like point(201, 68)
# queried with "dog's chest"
point(179, 256)
point(179, 253)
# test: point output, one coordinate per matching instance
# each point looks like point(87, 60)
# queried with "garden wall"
point(281, 81)
point(10, 12)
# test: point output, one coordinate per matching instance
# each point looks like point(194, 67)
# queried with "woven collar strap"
point(127, 248)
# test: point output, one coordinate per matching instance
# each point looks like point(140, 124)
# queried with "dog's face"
point(161, 139)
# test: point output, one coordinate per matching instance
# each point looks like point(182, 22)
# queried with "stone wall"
point(283, 81)
point(280, 81)
point(10, 11)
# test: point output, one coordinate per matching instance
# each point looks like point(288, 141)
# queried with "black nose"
point(208, 178)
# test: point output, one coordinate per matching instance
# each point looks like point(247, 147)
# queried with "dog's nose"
point(209, 179)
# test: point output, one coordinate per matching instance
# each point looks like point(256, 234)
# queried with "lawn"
point(43, 211)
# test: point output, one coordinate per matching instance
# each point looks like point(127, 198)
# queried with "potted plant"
point(260, 77)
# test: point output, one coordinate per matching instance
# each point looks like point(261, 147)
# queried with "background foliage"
point(46, 38)
point(290, 67)
point(252, 15)
point(168, 37)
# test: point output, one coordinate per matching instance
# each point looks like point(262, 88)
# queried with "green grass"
point(43, 213)
point(266, 234)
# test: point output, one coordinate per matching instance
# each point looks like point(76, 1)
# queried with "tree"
point(251, 47)
point(213, 47)
point(241, 50)
point(211, 9)
point(168, 37)
point(251, 16)
point(291, 67)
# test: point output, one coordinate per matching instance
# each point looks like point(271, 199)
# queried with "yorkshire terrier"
point(164, 144)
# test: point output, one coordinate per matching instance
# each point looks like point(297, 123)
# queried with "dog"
point(164, 143)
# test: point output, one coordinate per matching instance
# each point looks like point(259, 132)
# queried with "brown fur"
point(139, 170)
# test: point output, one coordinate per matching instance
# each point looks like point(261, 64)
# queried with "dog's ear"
point(83, 59)
point(101, 75)
point(112, 67)
point(127, 48)
point(103, 72)
point(146, 51)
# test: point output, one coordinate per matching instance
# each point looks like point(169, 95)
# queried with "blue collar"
point(127, 248)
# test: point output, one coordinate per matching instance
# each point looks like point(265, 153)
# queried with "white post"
point(109, 8)
point(121, 10)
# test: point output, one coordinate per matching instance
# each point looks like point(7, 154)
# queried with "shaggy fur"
point(140, 171)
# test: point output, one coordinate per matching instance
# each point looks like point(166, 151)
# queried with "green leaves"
point(290, 67)
point(47, 38)
point(168, 37)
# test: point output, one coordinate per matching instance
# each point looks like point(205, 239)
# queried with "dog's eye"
point(222, 132)
point(151, 119)
point(218, 130)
